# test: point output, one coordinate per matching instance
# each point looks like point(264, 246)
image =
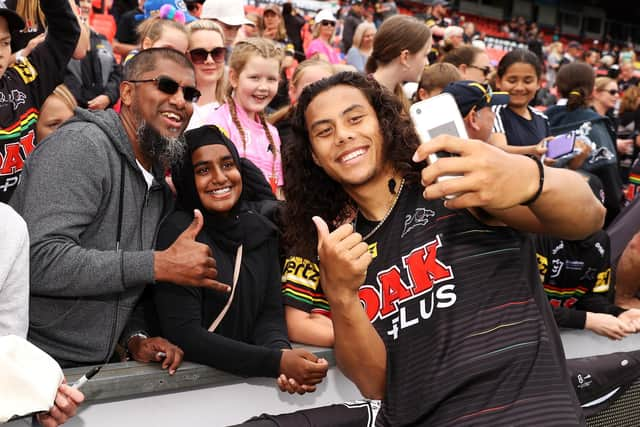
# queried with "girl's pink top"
point(257, 143)
point(319, 46)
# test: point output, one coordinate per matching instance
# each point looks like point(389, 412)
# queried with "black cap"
point(469, 94)
point(14, 20)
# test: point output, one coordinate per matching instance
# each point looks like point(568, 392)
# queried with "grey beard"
point(163, 149)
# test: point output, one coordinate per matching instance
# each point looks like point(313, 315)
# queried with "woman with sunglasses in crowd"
point(472, 62)
point(207, 53)
point(323, 30)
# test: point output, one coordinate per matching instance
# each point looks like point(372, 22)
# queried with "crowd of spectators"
point(158, 182)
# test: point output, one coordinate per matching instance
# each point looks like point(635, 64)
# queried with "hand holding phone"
point(436, 116)
point(560, 145)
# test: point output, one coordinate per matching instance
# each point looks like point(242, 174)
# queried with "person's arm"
point(302, 294)
point(60, 196)
point(569, 318)
point(14, 273)
point(499, 182)
point(628, 275)
point(50, 57)
point(270, 330)
point(608, 325)
point(359, 349)
point(180, 314)
point(64, 407)
point(309, 328)
point(123, 49)
point(499, 139)
point(598, 303)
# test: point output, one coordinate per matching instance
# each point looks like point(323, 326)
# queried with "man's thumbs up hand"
point(188, 262)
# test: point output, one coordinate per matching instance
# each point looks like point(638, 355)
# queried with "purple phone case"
point(560, 146)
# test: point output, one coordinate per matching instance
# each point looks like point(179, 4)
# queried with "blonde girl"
point(207, 53)
point(254, 73)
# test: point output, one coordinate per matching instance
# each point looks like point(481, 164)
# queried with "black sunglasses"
point(170, 87)
point(328, 23)
point(612, 92)
point(200, 55)
point(485, 70)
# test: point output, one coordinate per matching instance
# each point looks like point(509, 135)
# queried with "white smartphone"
point(435, 116)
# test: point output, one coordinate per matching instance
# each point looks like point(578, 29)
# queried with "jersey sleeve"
point(301, 286)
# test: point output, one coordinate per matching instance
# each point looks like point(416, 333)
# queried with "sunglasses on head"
point(200, 55)
point(170, 87)
point(485, 70)
point(328, 23)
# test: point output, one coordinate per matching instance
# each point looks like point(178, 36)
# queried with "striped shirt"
point(518, 130)
point(301, 286)
point(469, 335)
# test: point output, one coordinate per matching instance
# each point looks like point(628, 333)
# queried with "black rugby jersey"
point(576, 276)
point(25, 86)
point(469, 334)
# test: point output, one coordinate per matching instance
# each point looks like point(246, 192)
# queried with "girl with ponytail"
point(399, 54)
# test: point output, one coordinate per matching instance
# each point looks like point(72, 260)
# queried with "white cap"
point(323, 15)
point(30, 378)
point(230, 12)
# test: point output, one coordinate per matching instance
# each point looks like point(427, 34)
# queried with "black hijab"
point(242, 224)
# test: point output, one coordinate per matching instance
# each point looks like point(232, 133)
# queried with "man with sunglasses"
point(93, 195)
point(474, 102)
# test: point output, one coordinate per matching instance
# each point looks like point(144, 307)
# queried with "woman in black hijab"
point(242, 332)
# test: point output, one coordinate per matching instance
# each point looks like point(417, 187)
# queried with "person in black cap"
point(474, 102)
point(351, 21)
point(573, 53)
point(25, 85)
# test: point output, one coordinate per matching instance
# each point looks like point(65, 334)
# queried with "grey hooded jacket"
point(84, 289)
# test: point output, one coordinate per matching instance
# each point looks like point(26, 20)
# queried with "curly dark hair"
point(309, 191)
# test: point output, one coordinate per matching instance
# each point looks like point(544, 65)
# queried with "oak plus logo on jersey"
point(407, 304)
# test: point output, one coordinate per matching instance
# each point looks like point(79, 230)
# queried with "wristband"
point(540, 182)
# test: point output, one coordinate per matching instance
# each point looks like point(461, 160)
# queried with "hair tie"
point(575, 92)
point(172, 14)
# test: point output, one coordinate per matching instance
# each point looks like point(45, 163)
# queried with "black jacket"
point(98, 73)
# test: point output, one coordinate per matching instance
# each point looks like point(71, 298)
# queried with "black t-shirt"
point(576, 276)
point(127, 26)
point(518, 130)
point(468, 331)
